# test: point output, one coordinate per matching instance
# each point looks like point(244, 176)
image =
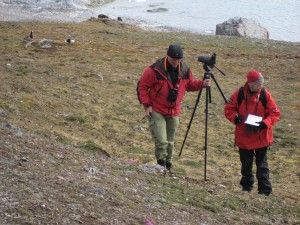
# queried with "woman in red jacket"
point(161, 90)
point(253, 137)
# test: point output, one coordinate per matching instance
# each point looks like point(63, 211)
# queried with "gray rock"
point(102, 16)
point(6, 161)
point(98, 76)
point(97, 191)
point(140, 128)
point(157, 10)
point(242, 27)
point(90, 170)
point(2, 112)
point(150, 168)
point(17, 131)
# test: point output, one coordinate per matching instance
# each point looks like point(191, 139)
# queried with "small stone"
point(140, 128)
point(91, 170)
point(2, 112)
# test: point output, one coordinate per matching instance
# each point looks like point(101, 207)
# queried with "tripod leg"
point(225, 99)
point(206, 129)
point(191, 120)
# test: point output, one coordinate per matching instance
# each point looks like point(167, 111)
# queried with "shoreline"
point(16, 14)
point(64, 14)
point(82, 10)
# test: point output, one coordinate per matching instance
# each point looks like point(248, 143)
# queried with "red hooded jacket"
point(153, 87)
point(252, 105)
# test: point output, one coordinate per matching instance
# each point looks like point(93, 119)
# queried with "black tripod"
point(208, 74)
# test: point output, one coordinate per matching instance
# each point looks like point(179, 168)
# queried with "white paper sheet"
point(252, 119)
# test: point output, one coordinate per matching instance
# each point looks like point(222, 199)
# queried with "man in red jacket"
point(161, 90)
point(253, 137)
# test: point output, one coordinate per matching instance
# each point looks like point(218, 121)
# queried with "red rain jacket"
point(252, 105)
point(153, 88)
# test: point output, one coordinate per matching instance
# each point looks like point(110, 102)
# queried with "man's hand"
point(207, 82)
point(148, 111)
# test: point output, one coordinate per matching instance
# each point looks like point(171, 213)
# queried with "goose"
point(29, 37)
point(70, 40)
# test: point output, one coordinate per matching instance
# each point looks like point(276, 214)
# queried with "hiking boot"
point(169, 165)
point(161, 162)
point(248, 189)
point(263, 193)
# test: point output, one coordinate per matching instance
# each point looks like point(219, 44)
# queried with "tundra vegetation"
point(73, 139)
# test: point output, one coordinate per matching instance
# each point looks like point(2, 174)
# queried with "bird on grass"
point(70, 40)
point(29, 37)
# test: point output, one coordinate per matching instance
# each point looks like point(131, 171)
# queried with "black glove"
point(238, 119)
point(262, 125)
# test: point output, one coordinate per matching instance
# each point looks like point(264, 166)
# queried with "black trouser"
point(262, 170)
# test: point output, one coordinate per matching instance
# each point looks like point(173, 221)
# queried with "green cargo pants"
point(163, 133)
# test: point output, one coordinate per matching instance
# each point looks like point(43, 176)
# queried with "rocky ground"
point(46, 183)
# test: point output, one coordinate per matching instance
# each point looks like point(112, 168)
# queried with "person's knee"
point(161, 143)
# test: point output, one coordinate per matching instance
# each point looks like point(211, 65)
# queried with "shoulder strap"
point(240, 96)
point(262, 96)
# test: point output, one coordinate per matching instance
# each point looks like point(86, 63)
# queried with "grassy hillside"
point(65, 108)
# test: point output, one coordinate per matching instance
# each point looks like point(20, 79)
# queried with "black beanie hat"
point(175, 51)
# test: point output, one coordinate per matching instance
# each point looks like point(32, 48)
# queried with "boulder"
point(102, 16)
point(242, 27)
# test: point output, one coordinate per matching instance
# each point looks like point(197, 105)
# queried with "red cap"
point(254, 77)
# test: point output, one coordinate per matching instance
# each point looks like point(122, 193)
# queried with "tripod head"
point(208, 72)
point(209, 62)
